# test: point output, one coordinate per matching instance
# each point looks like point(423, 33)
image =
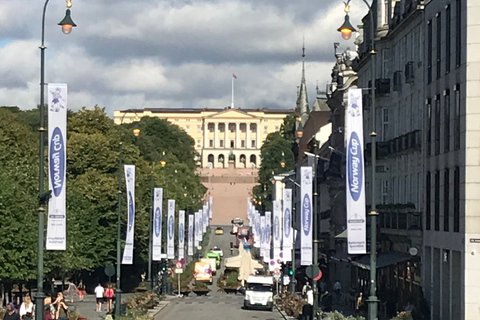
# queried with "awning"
point(343, 256)
point(383, 259)
point(342, 235)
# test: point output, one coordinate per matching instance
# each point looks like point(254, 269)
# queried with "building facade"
point(221, 135)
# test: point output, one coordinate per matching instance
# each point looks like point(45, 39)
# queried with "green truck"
point(216, 256)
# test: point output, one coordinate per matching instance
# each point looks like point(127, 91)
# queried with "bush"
point(232, 279)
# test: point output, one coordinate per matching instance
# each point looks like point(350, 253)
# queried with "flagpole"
point(233, 92)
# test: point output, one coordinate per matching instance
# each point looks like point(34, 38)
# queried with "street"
point(216, 304)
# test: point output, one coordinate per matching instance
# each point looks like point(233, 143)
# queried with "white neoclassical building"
point(219, 134)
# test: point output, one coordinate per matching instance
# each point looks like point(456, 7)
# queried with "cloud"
point(170, 53)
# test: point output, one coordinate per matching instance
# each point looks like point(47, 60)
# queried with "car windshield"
point(259, 287)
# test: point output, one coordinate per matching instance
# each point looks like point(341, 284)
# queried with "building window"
point(221, 127)
point(429, 50)
point(437, 124)
point(254, 143)
point(446, 200)
point(243, 127)
point(384, 191)
point(210, 143)
point(199, 129)
point(384, 124)
point(231, 127)
point(458, 33)
point(456, 119)
point(446, 116)
point(199, 143)
point(448, 34)
point(456, 200)
point(232, 144)
point(439, 44)
point(221, 143)
point(242, 143)
point(187, 128)
point(385, 63)
point(253, 127)
point(428, 204)
point(429, 126)
point(265, 129)
point(437, 200)
point(277, 128)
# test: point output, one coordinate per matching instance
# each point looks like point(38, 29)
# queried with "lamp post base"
point(118, 302)
point(372, 307)
point(149, 284)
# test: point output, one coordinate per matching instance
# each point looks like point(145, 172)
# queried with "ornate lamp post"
point(43, 197)
point(346, 29)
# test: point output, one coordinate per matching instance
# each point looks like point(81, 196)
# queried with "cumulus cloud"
point(170, 53)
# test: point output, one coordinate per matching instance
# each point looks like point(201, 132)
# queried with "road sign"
point(179, 270)
point(179, 265)
point(109, 270)
point(276, 271)
point(312, 271)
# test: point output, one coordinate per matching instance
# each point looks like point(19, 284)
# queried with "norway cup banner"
point(306, 245)
point(57, 165)
point(277, 228)
point(130, 236)
point(181, 234)
point(171, 229)
point(268, 236)
point(191, 222)
point(157, 224)
point(356, 212)
point(287, 243)
point(263, 233)
point(197, 228)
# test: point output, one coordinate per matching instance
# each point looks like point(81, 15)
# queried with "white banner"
point(210, 208)
point(263, 233)
point(171, 229)
point(198, 228)
point(356, 212)
point(57, 166)
point(268, 236)
point(287, 243)
point(306, 216)
point(258, 230)
point(205, 217)
point(181, 234)
point(157, 224)
point(277, 228)
point(130, 182)
point(249, 210)
point(191, 222)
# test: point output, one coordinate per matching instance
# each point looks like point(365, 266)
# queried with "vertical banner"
point(200, 225)
point(268, 235)
point(181, 234)
point(205, 217)
point(277, 228)
point(249, 210)
point(191, 222)
point(356, 215)
point(258, 230)
point(197, 228)
point(210, 208)
point(262, 236)
point(306, 250)
point(287, 243)
point(171, 229)
point(157, 224)
point(130, 182)
point(57, 165)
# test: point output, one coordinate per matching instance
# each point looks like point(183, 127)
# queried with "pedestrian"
point(337, 288)
point(99, 293)
point(81, 290)
point(26, 309)
point(61, 307)
point(359, 301)
point(109, 294)
point(11, 312)
point(72, 291)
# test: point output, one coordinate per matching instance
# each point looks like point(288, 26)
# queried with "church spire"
point(302, 101)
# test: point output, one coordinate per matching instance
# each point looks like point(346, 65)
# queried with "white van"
point(259, 293)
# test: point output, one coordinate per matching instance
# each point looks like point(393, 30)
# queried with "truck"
point(203, 271)
point(243, 236)
point(213, 264)
point(216, 257)
point(259, 293)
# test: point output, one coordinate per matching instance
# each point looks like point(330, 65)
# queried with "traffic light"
point(163, 265)
point(291, 272)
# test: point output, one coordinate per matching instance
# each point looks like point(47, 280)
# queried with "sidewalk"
point(88, 307)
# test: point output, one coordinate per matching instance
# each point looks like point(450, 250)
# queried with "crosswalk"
point(217, 299)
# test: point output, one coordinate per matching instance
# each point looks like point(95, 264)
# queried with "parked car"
point(219, 231)
point(217, 250)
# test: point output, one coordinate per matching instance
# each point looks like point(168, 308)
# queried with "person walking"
point(81, 290)
point(11, 312)
point(337, 288)
point(99, 293)
point(26, 309)
point(109, 294)
point(72, 291)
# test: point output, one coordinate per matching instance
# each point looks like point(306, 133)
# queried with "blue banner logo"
point(287, 222)
point(276, 228)
point(306, 214)
point(268, 232)
point(57, 161)
point(131, 211)
point(355, 167)
point(190, 233)
point(158, 222)
point(170, 227)
point(181, 235)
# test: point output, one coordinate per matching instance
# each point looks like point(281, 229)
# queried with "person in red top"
point(109, 294)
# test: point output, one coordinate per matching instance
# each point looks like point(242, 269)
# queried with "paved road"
point(217, 305)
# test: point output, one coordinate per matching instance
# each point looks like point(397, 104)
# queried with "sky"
point(127, 54)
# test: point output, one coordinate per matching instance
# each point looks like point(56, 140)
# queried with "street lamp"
point(372, 299)
point(282, 162)
point(43, 196)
